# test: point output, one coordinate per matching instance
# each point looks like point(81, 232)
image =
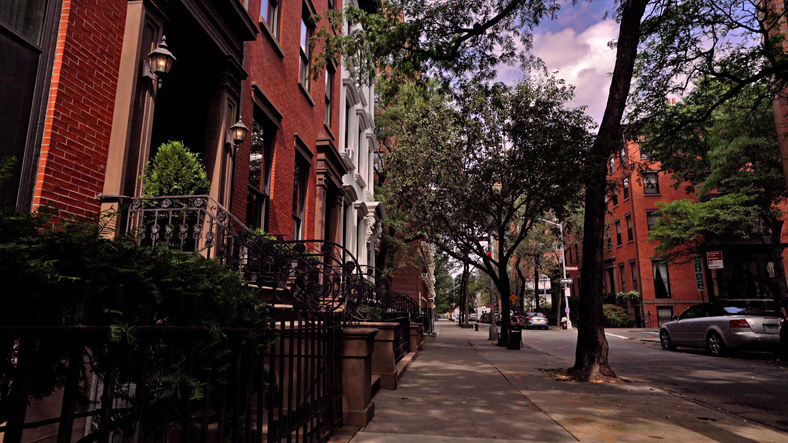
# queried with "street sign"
point(699, 282)
point(696, 260)
point(714, 260)
point(566, 281)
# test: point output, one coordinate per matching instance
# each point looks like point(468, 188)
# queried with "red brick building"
point(90, 111)
point(667, 289)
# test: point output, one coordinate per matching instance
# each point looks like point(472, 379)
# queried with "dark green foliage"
point(450, 38)
point(174, 170)
point(616, 317)
point(70, 275)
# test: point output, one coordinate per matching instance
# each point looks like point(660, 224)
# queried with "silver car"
point(720, 328)
point(536, 320)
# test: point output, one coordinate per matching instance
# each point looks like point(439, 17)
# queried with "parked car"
point(472, 316)
point(519, 317)
point(721, 328)
point(536, 320)
point(485, 318)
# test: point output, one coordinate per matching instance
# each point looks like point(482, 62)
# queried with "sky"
point(575, 47)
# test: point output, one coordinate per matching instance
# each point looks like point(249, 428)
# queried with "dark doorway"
point(182, 103)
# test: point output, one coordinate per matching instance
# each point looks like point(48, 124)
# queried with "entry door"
point(664, 314)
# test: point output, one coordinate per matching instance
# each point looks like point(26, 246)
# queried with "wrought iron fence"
point(175, 383)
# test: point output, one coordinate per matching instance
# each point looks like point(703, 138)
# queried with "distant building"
point(667, 289)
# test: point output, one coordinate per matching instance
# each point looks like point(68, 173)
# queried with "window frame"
point(619, 240)
point(651, 213)
point(304, 50)
point(622, 277)
point(654, 185)
point(630, 228)
point(625, 188)
point(655, 266)
point(329, 93)
point(262, 191)
point(633, 268)
point(272, 16)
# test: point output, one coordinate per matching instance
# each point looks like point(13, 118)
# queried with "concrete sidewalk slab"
point(451, 391)
point(465, 388)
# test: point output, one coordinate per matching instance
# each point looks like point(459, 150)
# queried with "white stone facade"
point(363, 215)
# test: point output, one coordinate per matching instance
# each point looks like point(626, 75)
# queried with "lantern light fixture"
point(160, 61)
point(238, 132)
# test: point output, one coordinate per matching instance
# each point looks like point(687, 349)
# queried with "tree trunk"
point(466, 273)
point(780, 288)
point(592, 348)
point(521, 285)
point(536, 281)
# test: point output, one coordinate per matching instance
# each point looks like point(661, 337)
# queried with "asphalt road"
point(751, 386)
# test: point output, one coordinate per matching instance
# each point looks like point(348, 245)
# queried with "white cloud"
point(584, 60)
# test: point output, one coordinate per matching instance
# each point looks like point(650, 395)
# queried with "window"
point(618, 232)
point(611, 165)
point(608, 238)
point(348, 111)
point(693, 312)
point(652, 219)
point(306, 52)
point(269, 12)
point(299, 198)
point(630, 233)
point(614, 197)
point(625, 187)
point(610, 280)
point(330, 4)
point(661, 279)
point(633, 268)
point(644, 153)
point(623, 155)
point(329, 93)
point(650, 183)
point(623, 277)
point(260, 162)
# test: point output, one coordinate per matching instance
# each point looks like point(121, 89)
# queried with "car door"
point(682, 332)
point(698, 325)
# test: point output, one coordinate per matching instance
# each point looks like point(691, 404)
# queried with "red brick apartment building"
point(87, 111)
point(668, 288)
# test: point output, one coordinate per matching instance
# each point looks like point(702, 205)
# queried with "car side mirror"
point(675, 317)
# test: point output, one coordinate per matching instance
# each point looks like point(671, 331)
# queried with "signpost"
point(714, 260)
point(699, 275)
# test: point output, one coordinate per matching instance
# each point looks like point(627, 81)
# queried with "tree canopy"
point(488, 164)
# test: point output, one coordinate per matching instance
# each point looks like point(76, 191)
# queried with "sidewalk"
point(464, 388)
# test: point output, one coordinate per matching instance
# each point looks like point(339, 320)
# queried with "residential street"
point(752, 386)
point(464, 388)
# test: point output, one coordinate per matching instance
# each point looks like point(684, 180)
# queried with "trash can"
point(563, 322)
point(515, 336)
point(476, 326)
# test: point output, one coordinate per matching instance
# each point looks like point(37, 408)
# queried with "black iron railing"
point(174, 383)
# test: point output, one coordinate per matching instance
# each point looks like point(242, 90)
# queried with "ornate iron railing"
point(307, 274)
point(278, 384)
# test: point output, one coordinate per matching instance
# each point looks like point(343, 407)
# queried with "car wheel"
point(664, 340)
point(715, 344)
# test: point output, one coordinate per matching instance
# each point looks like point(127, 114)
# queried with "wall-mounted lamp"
point(160, 62)
point(238, 132)
point(237, 135)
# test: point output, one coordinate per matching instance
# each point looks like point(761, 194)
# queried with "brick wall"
point(276, 74)
point(80, 106)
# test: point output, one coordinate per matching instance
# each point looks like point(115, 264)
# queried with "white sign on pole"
point(714, 260)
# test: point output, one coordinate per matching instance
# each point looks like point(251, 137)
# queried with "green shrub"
point(69, 274)
point(174, 170)
point(616, 317)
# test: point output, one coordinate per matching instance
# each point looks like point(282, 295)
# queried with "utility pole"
point(493, 327)
point(564, 284)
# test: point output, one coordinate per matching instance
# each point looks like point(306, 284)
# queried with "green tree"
point(487, 165)
point(174, 170)
point(732, 43)
point(732, 160)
